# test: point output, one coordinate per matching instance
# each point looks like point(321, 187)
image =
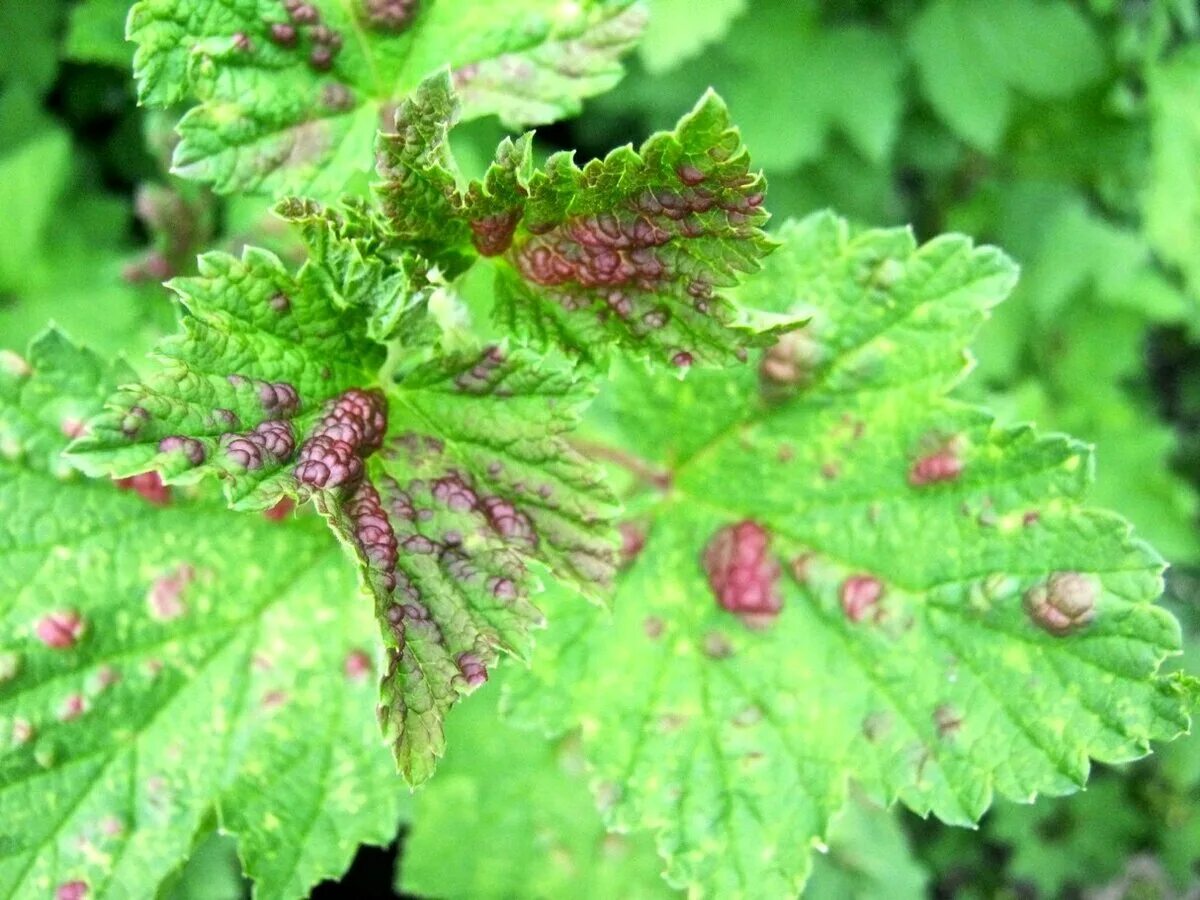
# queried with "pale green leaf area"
point(96, 33)
point(1172, 199)
point(31, 177)
point(509, 815)
point(847, 81)
point(868, 858)
point(911, 534)
point(297, 111)
point(556, 846)
point(165, 663)
point(971, 56)
point(74, 277)
point(678, 30)
point(1132, 447)
point(636, 250)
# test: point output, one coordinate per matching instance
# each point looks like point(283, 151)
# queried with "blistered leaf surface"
point(167, 662)
point(446, 482)
point(290, 94)
point(953, 620)
point(637, 250)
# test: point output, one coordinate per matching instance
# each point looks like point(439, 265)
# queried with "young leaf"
point(635, 250)
point(852, 576)
point(291, 93)
point(165, 662)
point(971, 54)
point(446, 480)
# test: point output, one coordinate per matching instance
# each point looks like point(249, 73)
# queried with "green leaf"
point(509, 815)
point(165, 663)
point(475, 482)
point(635, 250)
point(1081, 840)
point(31, 178)
point(31, 40)
point(832, 80)
point(96, 33)
point(927, 605)
point(297, 111)
point(446, 478)
point(1172, 202)
point(75, 277)
point(868, 858)
point(261, 346)
point(972, 54)
point(678, 30)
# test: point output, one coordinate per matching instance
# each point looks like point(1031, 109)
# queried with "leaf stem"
point(641, 469)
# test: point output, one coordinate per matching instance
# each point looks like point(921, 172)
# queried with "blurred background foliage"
point(1065, 131)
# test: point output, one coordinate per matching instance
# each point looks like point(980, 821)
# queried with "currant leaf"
point(972, 55)
point(261, 356)
point(290, 93)
point(137, 700)
point(447, 480)
point(852, 576)
point(636, 250)
point(678, 30)
point(476, 482)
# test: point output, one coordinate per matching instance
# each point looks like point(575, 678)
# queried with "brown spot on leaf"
point(280, 510)
point(653, 626)
point(22, 732)
point(948, 721)
point(148, 485)
point(717, 646)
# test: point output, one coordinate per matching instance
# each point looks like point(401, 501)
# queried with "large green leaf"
point(446, 478)
point(927, 604)
point(165, 663)
point(972, 54)
point(291, 94)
